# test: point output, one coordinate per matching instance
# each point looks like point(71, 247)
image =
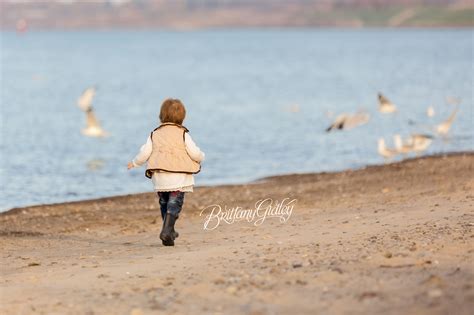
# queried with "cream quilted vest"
point(169, 151)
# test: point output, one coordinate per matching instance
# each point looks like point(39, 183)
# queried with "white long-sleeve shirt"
point(165, 181)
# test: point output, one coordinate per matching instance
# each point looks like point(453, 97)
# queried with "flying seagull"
point(93, 128)
point(348, 121)
point(385, 106)
point(443, 128)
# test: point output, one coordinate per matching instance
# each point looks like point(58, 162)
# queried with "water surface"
point(238, 86)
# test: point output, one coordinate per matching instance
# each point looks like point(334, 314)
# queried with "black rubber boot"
point(175, 233)
point(167, 233)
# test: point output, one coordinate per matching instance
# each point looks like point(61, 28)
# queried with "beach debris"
point(347, 121)
point(385, 105)
point(386, 153)
point(397, 263)
point(435, 293)
point(430, 112)
point(20, 233)
point(443, 128)
point(93, 127)
point(219, 280)
point(297, 264)
point(34, 264)
point(397, 266)
point(368, 295)
point(337, 269)
point(301, 282)
point(388, 255)
point(455, 271)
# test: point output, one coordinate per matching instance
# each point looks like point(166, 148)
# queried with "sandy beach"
point(392, 239)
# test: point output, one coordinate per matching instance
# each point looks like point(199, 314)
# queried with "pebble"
point(136, 311)
point(231, 290)
point(219, 281)
point(368, 295)
point(435, 293)
point(297, 265)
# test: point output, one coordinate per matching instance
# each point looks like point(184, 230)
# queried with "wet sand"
point(392, 239)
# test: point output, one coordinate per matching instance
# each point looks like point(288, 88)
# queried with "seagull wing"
point(444, 127)
point(383, 100)
point(452, 116)
point(85, 100)
point(338, 123)
point(92, 121)
point(357, 120)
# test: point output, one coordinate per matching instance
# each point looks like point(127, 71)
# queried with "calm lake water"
point(238, 86)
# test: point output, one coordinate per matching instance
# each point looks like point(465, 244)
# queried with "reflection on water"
point(258, 102)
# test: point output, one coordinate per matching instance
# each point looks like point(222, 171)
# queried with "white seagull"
point(415, 143)
point(420, 142)
point(93, 128)
point(400, 146)
point(430, 112)
point(385, 106)
point(443, 128)
point(348, 121)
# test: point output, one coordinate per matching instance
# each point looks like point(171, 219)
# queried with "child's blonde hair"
point(172, 111)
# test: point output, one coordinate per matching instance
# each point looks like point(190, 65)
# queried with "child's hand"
point(129, 165)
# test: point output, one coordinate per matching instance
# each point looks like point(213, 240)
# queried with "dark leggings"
point(171, 202)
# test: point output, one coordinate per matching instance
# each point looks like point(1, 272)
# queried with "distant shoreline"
point(237, 28)
point(204, 14)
